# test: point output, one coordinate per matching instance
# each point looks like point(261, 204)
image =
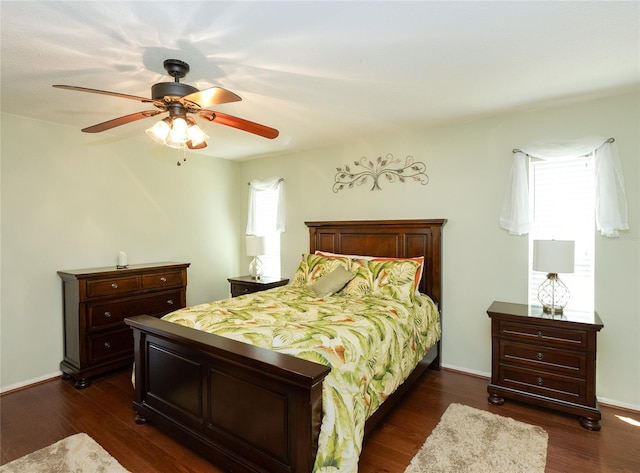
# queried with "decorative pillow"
point(389, 278)
point(338, 255)
point(418, 259)
point(332, 282)
point(313, 267)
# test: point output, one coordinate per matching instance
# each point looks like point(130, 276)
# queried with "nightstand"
point(246, 284)
point(545, 360)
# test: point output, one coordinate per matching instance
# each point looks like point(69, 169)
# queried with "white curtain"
point(611, 202)
point(255, 187)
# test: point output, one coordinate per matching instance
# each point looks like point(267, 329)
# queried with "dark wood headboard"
point(391, 238)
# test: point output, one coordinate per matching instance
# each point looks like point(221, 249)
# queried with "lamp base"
point(553, 295)
point(255, 268)
point(552, 310)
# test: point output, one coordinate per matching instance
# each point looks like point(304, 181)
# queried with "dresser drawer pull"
point(539, 334)
point(107, 314)
point(163, 279)
point(107, 345)
point(539, 381)
point(170, 302)
point(114, 286)
point(540, 356)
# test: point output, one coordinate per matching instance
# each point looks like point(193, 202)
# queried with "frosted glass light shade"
point(196, 135)
point(159, 132)
point(553, 256)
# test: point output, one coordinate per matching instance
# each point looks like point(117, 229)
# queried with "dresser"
point(246, 284)
point(96, 302)
point(546, 360)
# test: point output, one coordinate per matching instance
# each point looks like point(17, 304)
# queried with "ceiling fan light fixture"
point(196, 136)
point(160, 131)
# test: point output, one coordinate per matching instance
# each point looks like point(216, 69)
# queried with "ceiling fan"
point(179, 130)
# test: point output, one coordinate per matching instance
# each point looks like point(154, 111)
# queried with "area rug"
point(468, 440)
point(78, 453)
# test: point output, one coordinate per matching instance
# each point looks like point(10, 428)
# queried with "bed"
point(250, 409)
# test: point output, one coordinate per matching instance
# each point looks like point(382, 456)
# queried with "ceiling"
point(321, 72)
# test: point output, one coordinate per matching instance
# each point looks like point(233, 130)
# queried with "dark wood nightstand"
point(545, 360)
point(246, 284)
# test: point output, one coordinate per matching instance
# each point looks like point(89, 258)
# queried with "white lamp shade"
point(255, 245)
point(553, 256)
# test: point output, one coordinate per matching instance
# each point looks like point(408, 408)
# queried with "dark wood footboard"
point(245, 408)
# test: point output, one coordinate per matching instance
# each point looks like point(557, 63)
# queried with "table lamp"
point(553, 257)
point(255, 248)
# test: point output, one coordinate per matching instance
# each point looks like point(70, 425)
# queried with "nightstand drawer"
point(109, 345)
point(539, 334)
point(545, 358)
point(168, 279)
point(545, 384)
point(104, 315)
point(110, 287)
point(241, 289)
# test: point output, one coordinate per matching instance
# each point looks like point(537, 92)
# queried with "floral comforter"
point(371, 344)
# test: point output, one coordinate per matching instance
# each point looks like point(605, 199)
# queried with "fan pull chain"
point(184, 156)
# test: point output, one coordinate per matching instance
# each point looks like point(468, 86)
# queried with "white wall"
point(468, 165)
point(71, 200)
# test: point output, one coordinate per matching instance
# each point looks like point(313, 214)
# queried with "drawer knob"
point(107, 345)
point(539, 334)
point(163, 279)
point(107, 314)
point(539, 381)
point(170, 302)
point(114, 286)
point(540, 356)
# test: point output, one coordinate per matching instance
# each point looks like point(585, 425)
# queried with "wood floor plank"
point(37, 416)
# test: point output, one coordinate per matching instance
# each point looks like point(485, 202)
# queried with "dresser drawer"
point(108, 345)
point(166, 279)
point(114, 286)
point(539, 334)
point(543, 383)
point(544, 358)
point(107, 314)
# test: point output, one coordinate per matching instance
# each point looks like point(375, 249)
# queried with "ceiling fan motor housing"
point(171, 89)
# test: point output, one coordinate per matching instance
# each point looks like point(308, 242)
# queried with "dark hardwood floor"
point(37, 416)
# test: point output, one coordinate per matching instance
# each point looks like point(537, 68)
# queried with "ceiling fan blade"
point(212, 96)
point(103, 92)
point(239, 123)
point(120, 121)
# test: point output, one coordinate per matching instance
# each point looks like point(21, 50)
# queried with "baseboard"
point(29, 383)
point(478, 374)
point(603, 401)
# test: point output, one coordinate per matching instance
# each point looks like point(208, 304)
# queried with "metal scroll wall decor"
point(392, 169)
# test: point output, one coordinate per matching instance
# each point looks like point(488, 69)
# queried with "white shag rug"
point(78, 453)
point(468, 440)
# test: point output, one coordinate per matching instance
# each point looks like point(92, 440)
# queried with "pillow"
point(313, 267)
point(328, 254)
point(332, 282)
point(389, 278)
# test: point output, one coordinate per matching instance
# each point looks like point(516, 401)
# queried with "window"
point(266, 218)
point(562, 202)
point(266, 214)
